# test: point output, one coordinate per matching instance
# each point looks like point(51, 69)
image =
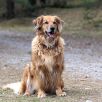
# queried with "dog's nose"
point(52, 28)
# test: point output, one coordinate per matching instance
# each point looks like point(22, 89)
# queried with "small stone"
point(87, 76)
point(88, 101)
point(5, 65)
point(87, 88)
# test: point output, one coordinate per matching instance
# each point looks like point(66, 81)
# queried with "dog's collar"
point(49, 47)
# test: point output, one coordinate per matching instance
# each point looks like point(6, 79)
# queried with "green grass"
point(75, 93)
point(18, 24)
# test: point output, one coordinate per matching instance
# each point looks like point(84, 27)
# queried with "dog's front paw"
point(41, 94)
point(59, 92)
point(62, 94)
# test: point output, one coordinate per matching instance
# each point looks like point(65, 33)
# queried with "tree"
point(10, 9)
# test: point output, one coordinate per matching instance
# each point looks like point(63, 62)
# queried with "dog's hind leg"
point(22, 88)
point(29, 89)
point(24, 80)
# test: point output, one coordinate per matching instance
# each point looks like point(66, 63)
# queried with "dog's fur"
point(44, 73)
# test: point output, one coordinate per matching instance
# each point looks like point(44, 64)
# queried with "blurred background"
point(20, 8)
point(77, 14)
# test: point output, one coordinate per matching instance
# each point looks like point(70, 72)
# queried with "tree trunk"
point(38, 3)
point(10, 9)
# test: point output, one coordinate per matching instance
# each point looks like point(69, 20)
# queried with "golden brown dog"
point(44, 73)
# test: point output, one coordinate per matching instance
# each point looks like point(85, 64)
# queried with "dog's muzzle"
point(50, 32)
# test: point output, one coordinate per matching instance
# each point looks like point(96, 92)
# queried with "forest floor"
point(83, 57)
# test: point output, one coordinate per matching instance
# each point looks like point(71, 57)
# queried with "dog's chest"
point(48, 62)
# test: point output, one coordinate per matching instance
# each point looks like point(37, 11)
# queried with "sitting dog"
point(44, 73)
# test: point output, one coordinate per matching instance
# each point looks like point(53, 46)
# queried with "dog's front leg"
point(59, 81)
point(40, 81)
point(59, 88)
point(41, 93)
point(59, 92)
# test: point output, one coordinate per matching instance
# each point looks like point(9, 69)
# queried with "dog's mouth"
point(50, 34)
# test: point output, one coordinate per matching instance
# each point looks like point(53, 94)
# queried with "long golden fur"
point(44, 73)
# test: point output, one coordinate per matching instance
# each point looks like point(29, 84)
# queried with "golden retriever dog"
point(44, 73)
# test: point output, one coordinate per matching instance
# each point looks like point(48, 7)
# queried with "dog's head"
point(49, 25)
point(49, 28)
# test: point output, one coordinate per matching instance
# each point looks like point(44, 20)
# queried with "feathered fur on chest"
point(47, 56)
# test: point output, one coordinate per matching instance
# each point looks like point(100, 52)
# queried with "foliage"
point(88, 3)
point(24, 3)
point(27, 7)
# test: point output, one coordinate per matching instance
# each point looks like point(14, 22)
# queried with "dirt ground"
point(83, 67)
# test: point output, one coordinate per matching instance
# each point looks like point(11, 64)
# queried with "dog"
point(44, 73)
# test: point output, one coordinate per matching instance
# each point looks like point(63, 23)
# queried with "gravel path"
point(84, 56)
point(81, 55)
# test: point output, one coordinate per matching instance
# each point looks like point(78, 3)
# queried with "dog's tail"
point(14, 86)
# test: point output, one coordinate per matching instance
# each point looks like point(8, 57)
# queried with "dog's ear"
point(38, 22)
point(59, 22)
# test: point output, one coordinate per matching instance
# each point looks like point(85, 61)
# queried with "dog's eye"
point(46, 22)
point(54, 22)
